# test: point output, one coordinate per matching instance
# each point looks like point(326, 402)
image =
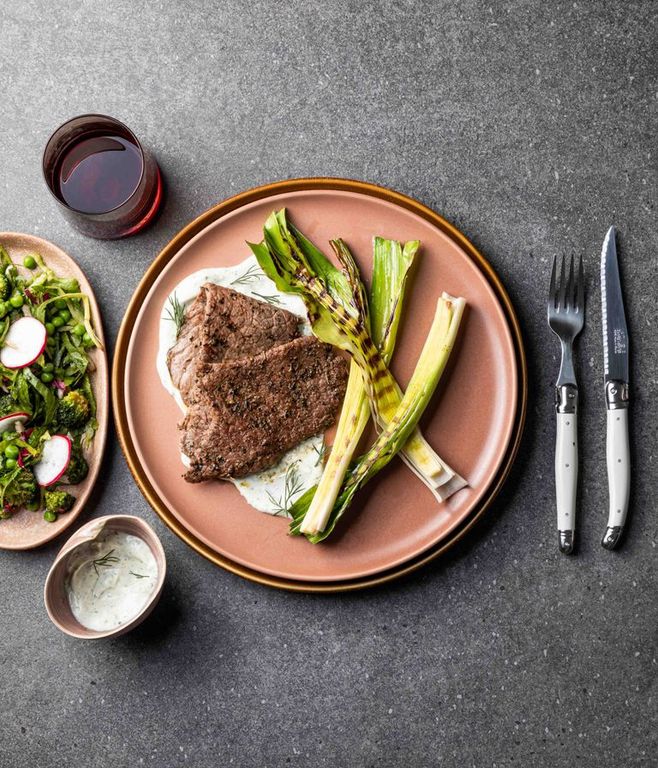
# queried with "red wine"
point(98, 173)
point(106, 183)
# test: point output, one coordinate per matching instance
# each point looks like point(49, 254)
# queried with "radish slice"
point(54, 460)
point(24, 343)
point(8, 421)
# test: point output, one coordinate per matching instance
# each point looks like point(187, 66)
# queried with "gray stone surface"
point(531, 126)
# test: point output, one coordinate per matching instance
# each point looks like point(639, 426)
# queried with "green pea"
point(50, 329)
point(49, 516)
point(4, 308)
point(3, 445)
point(78, 330)
point(17, 301)
point(46, 377)
point(58, 322)
point(47, 367)
point(60, 303)
point(65, 315)
point(29, 262)
point(11, 451)
point(10, 463)
point(87, 339)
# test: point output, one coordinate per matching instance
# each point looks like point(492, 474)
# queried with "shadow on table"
point(157, 628)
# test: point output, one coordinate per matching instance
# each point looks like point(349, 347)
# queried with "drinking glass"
point(106, 184)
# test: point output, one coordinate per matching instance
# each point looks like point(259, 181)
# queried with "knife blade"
point(615, 331)
point(616, 378)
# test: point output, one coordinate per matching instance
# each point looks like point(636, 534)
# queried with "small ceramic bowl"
point(54, 592)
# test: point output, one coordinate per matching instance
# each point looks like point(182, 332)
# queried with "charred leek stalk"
point(391, 265)
point(336, 308)
point(430, 366)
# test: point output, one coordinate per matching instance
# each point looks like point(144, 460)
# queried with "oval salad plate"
point(25, 529)
point(474, 422)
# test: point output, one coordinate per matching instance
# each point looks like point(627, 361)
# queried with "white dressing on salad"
point(273, 490)
point(110, 580)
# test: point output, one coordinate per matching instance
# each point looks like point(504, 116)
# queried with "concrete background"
point(532, 126)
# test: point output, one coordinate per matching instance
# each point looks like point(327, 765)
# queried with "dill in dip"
point(110, 580)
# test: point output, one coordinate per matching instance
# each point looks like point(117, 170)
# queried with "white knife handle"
point(618, 460)
point(566, 478)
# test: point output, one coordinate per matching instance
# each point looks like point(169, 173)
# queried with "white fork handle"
point(618, 460)
point(566, 477)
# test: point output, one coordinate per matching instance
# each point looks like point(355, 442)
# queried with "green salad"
point(47, 404)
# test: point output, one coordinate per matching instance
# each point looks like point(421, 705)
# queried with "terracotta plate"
point(25, 529)
point(471, 422)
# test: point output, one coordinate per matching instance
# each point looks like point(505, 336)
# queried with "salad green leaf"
point(64, 368)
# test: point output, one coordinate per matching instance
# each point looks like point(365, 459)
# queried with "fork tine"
point(580, 296)
point(552, 292)
point(562, 300)
point(571, 292)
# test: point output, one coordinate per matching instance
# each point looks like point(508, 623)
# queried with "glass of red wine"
point(106, 183)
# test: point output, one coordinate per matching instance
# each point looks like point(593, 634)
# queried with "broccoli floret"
point(5, 287)
point(78, 468)
point(21, 490)
point(58, 501)
point(73, 410)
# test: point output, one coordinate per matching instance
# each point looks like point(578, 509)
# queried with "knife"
point(615, 361)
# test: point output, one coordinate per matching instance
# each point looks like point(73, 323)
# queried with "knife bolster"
point(566, 399)
point(616, 395)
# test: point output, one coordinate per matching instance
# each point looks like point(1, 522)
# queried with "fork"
point(566, 314)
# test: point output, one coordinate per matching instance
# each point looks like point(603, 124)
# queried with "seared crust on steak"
point(245, 414)
point(222, 324)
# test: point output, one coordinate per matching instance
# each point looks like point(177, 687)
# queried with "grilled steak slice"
point(182, 355)
point(222, 324)
point(244, 414)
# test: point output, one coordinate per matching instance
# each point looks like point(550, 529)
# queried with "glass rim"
point(134, 138)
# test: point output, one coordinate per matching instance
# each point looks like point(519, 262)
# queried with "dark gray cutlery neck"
point(567, 374)
point(566, 398)
point(616, 395)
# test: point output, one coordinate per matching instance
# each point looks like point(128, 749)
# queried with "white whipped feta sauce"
point(274, 489)
point(110, 580)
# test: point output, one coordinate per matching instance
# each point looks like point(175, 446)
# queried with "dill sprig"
point(106, 561)
point(321, 452)
point(139, 575)
point(250, 276)
point(269, 299)
point(176, 313)
point(292, 485)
